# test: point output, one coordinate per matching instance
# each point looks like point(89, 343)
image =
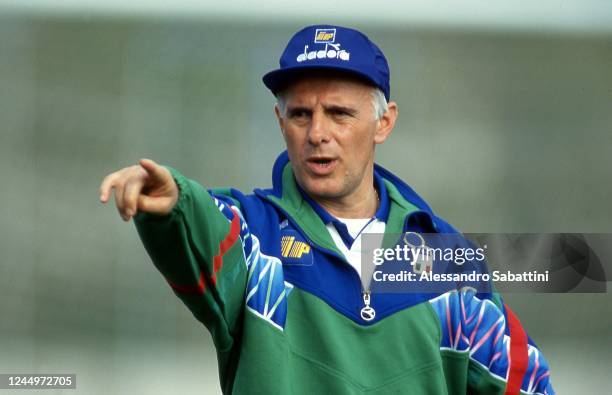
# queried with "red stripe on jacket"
point(519, 357)
point(225, 244)
point(199, 288)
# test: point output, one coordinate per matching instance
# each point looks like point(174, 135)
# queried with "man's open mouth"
point(321, 165)
point(322, 161)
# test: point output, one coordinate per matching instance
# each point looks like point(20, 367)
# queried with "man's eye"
point(340, 113)
point(298, 114)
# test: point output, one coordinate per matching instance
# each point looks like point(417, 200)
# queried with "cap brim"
point(277, 80)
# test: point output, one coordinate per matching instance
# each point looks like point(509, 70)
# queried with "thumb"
point(156, 205)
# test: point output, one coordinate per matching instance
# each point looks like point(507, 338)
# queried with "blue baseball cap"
point(328, 47)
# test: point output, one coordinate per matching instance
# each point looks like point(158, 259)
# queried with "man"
point(275, 275)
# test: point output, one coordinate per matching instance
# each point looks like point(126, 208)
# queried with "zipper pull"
point(367, 313)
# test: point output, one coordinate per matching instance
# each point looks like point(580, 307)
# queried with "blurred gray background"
point(505, 126)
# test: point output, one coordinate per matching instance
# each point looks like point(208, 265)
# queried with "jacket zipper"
point(367, 312)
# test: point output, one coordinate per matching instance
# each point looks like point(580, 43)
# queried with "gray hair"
point(379, 102)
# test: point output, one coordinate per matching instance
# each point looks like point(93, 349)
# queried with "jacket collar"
point(381, 214)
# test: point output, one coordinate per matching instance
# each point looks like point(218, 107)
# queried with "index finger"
point(106, 186)
point(152, 168)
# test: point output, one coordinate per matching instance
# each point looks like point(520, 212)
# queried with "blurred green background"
point(501, 130)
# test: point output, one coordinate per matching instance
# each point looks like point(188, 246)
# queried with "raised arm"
point(195, 238)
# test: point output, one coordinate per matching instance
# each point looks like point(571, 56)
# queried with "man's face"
point(330, 129)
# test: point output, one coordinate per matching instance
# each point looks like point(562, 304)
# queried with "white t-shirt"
point(357, 227)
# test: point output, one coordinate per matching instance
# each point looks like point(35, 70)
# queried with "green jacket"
point(262, 273)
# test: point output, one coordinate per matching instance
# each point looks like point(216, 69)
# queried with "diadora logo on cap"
point(330, 51)
point(290, 248)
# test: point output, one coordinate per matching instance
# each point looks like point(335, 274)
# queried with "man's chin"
point(322, 188)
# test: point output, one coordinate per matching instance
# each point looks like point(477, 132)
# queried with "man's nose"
point(319, 131)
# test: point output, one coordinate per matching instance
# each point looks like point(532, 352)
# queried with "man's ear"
point(280, 119)
point(386, 123)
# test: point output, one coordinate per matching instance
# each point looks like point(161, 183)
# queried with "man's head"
point(332, 90)
point(331, 126)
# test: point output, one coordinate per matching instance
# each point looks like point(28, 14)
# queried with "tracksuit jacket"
point(263, 274)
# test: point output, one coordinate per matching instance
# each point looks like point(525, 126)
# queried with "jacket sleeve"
point(502, 358)
point(198, 248)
